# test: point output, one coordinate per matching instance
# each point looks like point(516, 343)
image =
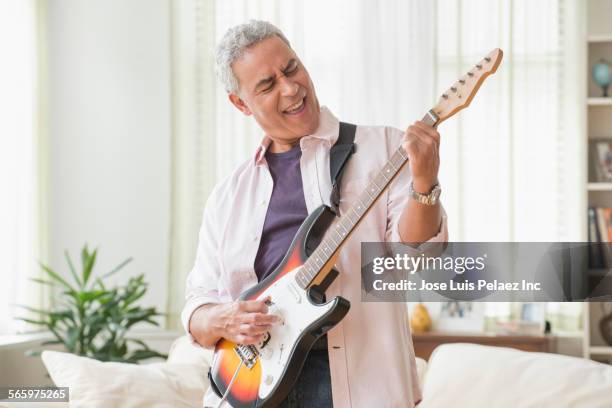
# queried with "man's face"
point(276, 89)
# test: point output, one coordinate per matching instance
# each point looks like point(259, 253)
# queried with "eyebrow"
point(271, 79)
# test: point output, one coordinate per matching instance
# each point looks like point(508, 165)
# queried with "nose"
point(288, 86)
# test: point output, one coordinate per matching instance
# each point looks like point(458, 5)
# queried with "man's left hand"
point(422, 144)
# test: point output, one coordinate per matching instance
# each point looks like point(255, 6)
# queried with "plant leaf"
point(88, 263)
point(55, 276)
point(33, 310)
point(118, 267)
point(72, 338)
point(49, 342)
point(38, 322)
point(138, 355)
point(72, 270)
point(43, 282)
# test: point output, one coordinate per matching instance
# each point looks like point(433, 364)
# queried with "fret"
point(381, 183)
point(353, 213)
point(329, 244)
point(347, 225)
point(307, 268)
point(360, 206)
point(308, 273)
point(373, 182)
point(369, 195)
point(331, 236)
point(298, 281)
point(340, 238)
point(373, 189)
point(386, 174)
point(303, 280)
point(325, 248)
point(387, 171)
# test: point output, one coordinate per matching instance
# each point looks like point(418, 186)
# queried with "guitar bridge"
point(249, 354)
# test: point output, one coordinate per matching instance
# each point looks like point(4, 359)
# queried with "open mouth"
point(296, 108)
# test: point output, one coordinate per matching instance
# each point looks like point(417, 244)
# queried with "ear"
point(239, 104)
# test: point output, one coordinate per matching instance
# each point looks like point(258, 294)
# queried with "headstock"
point(460, 94)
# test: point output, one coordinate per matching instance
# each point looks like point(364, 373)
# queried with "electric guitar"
point(261, 375)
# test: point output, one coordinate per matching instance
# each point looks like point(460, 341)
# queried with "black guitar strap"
point(338, 157)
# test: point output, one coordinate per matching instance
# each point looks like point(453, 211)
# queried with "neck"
point(280, 146)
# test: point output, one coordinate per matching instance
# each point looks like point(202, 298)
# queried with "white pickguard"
point(291, 304)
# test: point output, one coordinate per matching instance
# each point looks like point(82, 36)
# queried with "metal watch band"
point(430, 198)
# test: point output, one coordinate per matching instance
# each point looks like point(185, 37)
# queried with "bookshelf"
point(599, 194)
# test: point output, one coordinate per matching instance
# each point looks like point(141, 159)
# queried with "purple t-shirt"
point(286, 210)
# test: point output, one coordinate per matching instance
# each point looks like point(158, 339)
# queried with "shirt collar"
point(327, 132)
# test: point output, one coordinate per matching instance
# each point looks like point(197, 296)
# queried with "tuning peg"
point(488, 59)
point(453, 89)
point(470, 74)
point(462, 81)
point(445, 96)
point(478, 66)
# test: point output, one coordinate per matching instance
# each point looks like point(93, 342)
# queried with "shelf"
point(601, 350)
point(599, 38)
point(599, 186)
point(599, 101)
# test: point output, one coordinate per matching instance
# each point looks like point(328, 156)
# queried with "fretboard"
point(349, 220)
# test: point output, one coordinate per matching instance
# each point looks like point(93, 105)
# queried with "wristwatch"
point(430, 198)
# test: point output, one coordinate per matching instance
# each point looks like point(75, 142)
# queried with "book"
point(595, 253)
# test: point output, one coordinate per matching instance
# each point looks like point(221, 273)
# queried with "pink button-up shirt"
point(370, 352)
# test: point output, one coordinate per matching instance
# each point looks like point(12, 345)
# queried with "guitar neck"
point(336, 237)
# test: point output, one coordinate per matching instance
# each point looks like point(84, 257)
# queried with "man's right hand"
point(240, 321)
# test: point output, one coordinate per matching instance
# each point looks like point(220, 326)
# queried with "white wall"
point(109, 134)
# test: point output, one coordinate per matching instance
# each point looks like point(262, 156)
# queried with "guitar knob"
point(269, 379)
point(273, 309)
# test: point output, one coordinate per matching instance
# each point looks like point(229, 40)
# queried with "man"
point(251, 217)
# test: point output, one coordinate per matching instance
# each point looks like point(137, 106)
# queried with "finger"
point(248, 340)
point(259, 319)
point(422, 125)
point(253, 329)
point(418, 140)
point(427, 139)
point(429, 130)
point(253, 306)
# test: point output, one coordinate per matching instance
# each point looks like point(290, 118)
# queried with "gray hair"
point(233, 44)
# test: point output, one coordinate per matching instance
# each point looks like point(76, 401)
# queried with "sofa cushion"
point(470, 375)
point(184, 351)
point(94, 384)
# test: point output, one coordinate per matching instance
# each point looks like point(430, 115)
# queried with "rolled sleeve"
point(433, 246)
point(397, 200)
point(203, 280)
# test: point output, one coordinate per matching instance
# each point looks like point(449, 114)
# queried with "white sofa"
point(471, 375)
point(457, 375)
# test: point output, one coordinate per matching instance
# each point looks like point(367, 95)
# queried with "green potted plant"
point(91, 319)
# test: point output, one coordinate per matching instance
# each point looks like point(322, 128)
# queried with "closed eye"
point(292, 68)
point(269, 88)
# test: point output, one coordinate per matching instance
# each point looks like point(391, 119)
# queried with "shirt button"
point(263, 202)
point(255, 238)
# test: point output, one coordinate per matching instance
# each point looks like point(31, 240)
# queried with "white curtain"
point(22, 231)
point(508, 162)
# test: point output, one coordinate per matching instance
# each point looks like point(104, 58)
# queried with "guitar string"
point(229, 386)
